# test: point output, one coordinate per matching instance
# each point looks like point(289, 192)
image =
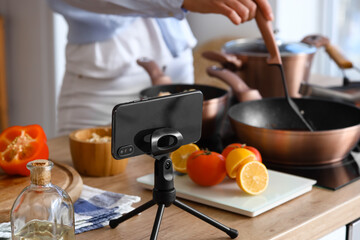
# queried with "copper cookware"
point(270, 125)
point(215, 102)
point(248, 58)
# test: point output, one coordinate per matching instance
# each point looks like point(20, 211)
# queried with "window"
point(335, 19)
point(347, 32)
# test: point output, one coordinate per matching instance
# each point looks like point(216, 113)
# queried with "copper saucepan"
point(248, 58)
point(271, 126)
point(215, 102)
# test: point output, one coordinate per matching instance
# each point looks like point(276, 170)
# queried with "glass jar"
point(42, 210)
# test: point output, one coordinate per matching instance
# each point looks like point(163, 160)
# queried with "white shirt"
point(102, 74)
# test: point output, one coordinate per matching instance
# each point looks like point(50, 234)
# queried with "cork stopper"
point(40, 171)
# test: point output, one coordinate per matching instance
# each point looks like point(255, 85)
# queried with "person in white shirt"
point(105, 39)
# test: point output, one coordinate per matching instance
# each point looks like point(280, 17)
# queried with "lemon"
point(252, 177)
point(179, 157)
point(234, 159)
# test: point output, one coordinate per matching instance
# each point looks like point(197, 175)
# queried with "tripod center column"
point(164, 191)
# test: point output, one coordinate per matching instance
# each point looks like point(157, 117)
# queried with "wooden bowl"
point(94, 158)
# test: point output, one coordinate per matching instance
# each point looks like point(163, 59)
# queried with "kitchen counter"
point(309, 216)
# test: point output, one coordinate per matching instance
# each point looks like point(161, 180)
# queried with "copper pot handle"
point(241, 91)
point(156, 74)
point(228, 61)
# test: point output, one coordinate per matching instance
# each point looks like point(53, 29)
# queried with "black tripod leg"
point(115, 222)
point(157, 221)
point(233, 233)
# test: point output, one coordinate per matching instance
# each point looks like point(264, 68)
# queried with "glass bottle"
point(42, 210)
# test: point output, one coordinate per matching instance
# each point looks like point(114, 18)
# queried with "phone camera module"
point(125, 150)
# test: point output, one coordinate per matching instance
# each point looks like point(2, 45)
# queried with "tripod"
point(164, 193)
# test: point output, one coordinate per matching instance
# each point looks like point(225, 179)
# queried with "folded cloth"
point(5, 230)
point(96, 207)
point(93, 210)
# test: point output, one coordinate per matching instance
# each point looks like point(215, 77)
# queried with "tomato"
point(20, 145)
point(232, 146)
point(206, 168)
point(255, 151)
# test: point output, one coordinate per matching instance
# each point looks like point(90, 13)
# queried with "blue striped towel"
point(93, 210)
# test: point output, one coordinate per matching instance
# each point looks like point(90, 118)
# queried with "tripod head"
point(164, 141)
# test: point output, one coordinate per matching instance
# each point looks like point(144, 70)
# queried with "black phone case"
point(134, 122)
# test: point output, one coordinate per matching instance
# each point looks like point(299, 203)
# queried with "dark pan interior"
point(275, 113)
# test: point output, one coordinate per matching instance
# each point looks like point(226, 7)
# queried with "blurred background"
point(34, 41)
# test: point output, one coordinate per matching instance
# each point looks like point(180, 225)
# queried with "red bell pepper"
point(20, 145)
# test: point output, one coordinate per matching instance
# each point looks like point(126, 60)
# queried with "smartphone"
point(134, 123)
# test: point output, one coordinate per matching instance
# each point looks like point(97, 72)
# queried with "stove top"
point(330, 176)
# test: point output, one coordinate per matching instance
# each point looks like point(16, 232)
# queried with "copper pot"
point(215, 104)
point(270, 125)
point(248, 58)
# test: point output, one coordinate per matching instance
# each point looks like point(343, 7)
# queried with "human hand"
point(238, 11)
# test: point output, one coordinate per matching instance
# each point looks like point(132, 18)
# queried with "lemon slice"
point(252, 177)
point(234, 159)
point(179, 157)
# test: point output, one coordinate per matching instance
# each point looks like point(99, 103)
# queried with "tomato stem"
point(207, 152)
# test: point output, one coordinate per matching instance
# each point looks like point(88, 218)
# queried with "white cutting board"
point(228, 196)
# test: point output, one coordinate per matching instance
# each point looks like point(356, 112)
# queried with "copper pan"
point(215, 104)
point(271, 126)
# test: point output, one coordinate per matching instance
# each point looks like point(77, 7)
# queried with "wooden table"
point(309, 216)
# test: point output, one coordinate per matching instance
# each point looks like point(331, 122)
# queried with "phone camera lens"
point(125, 150)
